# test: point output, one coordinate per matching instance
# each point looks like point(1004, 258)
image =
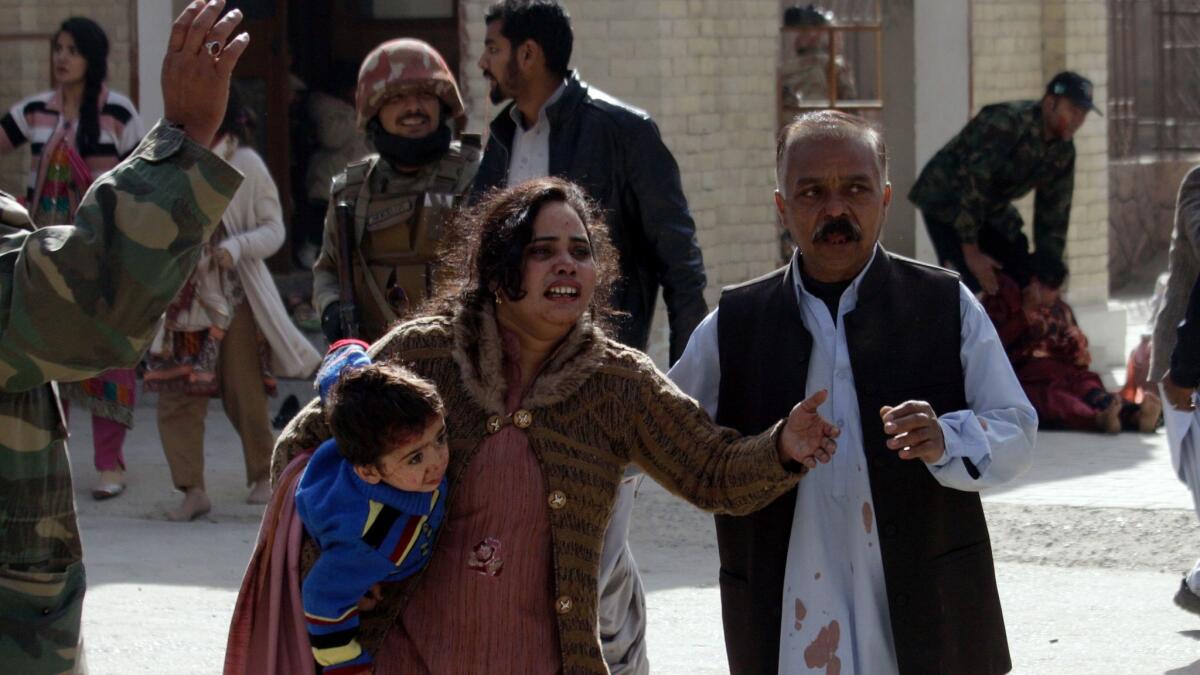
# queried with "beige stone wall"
point(1085, 50)
point(27, 61)
point(1017, 45)
point(705, 71)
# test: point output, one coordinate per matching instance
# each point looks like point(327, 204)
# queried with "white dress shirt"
point(834, 576)
point(531, 145)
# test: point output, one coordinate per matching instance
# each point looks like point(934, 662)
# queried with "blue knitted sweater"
point(367, 534)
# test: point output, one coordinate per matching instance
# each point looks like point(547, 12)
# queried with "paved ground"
point(1089, 544)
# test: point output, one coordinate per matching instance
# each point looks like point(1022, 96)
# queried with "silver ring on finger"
point(214, 48)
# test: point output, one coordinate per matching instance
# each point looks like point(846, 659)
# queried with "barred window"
point(830, 56)
point(1154, 94)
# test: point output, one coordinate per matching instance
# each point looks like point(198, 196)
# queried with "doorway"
point(299, 48)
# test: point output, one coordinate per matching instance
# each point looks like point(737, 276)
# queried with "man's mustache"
point(838, 226)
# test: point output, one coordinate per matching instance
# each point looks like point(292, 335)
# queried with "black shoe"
point(291, 406)
point(1186, 599)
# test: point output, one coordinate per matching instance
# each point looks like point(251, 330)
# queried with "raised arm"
point(85, 298)
point(79, 299)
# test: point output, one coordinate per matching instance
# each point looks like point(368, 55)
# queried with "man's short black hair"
point(546, 22)
point(373, 409)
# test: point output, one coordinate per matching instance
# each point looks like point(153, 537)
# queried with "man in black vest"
point(880, 562)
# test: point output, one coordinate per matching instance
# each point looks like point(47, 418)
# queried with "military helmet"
point(403, 66)
point(810, 15)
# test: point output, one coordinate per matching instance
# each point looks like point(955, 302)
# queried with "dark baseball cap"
point(1075, 88)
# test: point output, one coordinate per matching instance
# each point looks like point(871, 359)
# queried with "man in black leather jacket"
point(612, 149)
point(559, 126)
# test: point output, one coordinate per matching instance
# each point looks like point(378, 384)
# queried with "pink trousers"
point(108, 442)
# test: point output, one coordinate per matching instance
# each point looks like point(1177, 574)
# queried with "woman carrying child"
point(544, 412)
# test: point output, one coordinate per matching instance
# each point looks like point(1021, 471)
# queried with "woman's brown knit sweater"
point(596, 406)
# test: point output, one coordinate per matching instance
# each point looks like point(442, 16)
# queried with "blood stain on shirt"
point(801, 612)
point(867, 517)
point(822, 652)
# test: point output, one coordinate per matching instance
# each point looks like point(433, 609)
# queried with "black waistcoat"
point(904, 343)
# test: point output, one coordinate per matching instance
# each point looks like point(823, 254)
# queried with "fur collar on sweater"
point(479, 353)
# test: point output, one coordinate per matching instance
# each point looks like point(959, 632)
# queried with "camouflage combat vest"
point(399, 224)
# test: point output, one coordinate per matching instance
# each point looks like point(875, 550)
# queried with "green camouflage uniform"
point(998, 157)
point(804, 78)
point(399, 220)
point(74, 301)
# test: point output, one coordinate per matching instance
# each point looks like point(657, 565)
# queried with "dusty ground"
point(1089, 548)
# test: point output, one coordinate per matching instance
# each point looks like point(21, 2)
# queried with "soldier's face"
point(833, 201)
point(499, 64)
point(558, 276)
point(1063, 118)
point(810, 39)
point(414, 115)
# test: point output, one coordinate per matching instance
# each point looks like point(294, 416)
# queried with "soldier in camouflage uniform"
point(137, 235)
point(804, 75)
point(965, 192)
point(407, 100)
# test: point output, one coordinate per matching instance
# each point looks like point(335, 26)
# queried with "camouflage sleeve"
point(1052, 210)
point(326, 288)
point(79, 299)
point(987, 139)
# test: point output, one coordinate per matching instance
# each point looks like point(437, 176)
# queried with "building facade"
point(707, 71)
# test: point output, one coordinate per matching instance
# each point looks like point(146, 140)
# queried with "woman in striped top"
point(77, 131)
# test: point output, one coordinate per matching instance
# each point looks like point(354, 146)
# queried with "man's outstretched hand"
point(806, 437)
point(195, 82)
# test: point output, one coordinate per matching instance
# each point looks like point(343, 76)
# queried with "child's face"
point(417, 465)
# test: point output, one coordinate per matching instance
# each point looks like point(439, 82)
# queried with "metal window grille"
point(850, 53)
point(1154, 93)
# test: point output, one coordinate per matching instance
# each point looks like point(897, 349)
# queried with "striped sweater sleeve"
point(343, 574)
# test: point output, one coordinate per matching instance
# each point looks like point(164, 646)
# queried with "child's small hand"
point(371, 600)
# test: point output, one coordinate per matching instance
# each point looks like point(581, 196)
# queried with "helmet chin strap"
point(409, 152)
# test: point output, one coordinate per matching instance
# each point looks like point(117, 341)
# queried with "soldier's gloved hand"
point(331, 322)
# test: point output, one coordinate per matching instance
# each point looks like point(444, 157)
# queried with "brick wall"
point(705, 71)
point(1017, 45)
point(1085, 49)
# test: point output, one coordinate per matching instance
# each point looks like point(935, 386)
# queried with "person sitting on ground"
point(372, 497)
point(1050, 355)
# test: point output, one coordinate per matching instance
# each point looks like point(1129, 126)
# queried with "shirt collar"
point(515, 112)
point(55, 102)
point(851, 291)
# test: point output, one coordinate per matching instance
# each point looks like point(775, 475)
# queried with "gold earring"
point(499, 300)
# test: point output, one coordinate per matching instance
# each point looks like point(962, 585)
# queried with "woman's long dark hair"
point(92, 44)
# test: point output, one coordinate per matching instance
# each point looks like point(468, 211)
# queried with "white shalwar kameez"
point(835, 606)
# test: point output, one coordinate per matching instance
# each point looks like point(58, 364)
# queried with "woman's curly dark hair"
point(485, 249)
